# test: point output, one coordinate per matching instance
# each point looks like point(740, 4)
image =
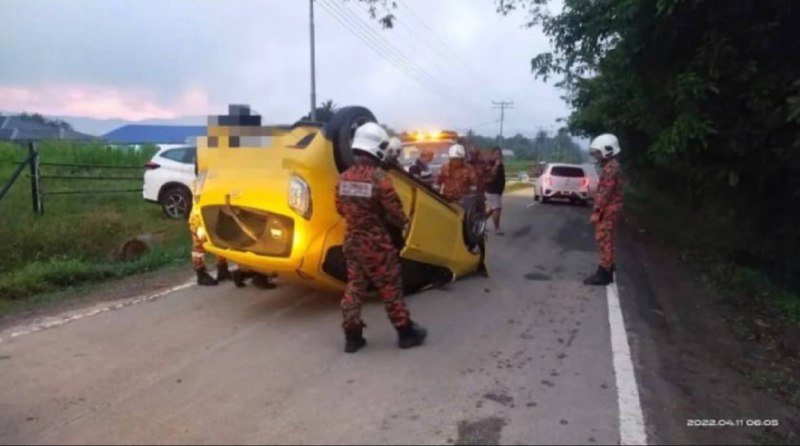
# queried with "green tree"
point(324, 112)
point(705, 97)
point(39, 119)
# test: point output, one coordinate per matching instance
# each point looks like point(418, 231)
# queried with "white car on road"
point(563, 181)
point(168, 180)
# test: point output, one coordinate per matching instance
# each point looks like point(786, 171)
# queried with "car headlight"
point(200, 233)
point(300, 197)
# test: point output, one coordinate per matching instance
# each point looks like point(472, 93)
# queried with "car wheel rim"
point(478, 226)
point(176, 206)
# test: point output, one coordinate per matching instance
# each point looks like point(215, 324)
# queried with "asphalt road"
point(522, 357)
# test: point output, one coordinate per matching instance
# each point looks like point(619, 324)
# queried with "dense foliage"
point(39, 119)
point(559, 148)
point(705, 97)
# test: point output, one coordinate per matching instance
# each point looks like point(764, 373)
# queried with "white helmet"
point(371, 138)
point(395, 147)
point(395, 143)
point(457, 151)
point(607, 144)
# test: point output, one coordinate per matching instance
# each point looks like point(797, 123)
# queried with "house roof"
point(13, 128)
point(154, 134)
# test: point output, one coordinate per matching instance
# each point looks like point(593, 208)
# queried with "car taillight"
point(548, 181)
point(151, 165)
point(585, 183)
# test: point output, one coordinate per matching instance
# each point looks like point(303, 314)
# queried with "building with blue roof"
point(161, 135)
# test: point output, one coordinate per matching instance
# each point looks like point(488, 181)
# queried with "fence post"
point(36, 186)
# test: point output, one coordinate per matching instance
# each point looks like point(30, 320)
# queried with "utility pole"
point(502, 105)
point(313, 114)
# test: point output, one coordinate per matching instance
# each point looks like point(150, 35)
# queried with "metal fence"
point(36, 177)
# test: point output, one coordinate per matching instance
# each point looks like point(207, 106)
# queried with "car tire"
point(474, 224)
point(176, 202)
point(544, 199)
point(340, 131)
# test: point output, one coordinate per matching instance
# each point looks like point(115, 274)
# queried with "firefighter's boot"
point(239, 277)
point(602, 277)
point(354, 340)
point(223, 273)
point(204, 279)
point(263, 281)
point(411, 335)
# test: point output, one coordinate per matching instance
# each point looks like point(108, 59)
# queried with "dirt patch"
point(692, 364)
point(485, 431)
point(537, 276)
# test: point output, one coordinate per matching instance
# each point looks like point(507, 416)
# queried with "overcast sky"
point(139, 59)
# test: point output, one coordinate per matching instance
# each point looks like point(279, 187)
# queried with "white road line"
point(631, 418)
point(45, 325)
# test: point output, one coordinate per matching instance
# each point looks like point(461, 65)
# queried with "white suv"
point(564, 181)
point(168, 180)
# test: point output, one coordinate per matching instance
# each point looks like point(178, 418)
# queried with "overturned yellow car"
point(265, 199)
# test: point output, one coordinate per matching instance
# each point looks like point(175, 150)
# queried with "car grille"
point(250, 230)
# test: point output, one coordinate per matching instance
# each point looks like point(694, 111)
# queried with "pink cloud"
point(101, 102)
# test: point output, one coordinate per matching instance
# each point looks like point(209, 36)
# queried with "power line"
point(377, 49)
point(448, 50)
point(414, 47)
point(364, 33)
point(484, 124)
point(442, 61)
point(386, 50)
point(425, 44)
point(376, 37)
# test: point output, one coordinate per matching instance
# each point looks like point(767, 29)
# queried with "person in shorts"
point(495, 188)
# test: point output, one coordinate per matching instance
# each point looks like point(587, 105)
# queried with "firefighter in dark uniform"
point(607, 205)
point(457, 179)
point(371, 208)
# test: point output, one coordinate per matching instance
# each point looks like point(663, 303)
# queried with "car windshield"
point(411, 152)
point(567, 171)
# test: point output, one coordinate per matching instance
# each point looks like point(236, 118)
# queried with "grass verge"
point(513, 187)
point(76, 239)
point(702, 240)
point(22, 289)
point(761, 312)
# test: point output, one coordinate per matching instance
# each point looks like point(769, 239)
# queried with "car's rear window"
point(569, 172)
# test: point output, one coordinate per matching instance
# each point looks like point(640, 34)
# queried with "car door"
point(435, 226)
point(178, 165)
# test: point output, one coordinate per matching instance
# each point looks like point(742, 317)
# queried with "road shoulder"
point(87, 296)
point(687, 358)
